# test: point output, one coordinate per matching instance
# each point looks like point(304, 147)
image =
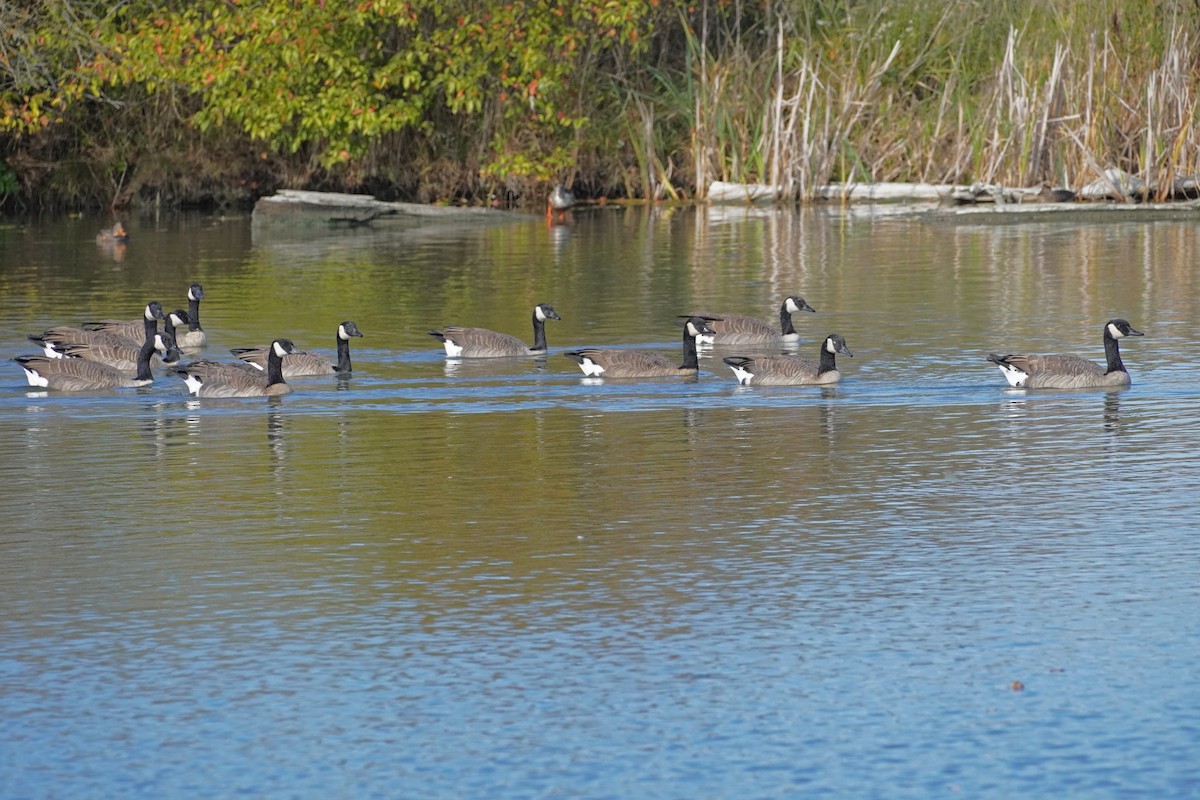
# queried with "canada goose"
point(736, 329)
point(207, 378)
point(791, 370)
point(195, 336)
point(53, 339)
point(297, 365)
point(123, 357)
point(116, 233)
point(611, 363)
point(134, 330)
point(482, 343)
point(79, 375)
point(1070, 372)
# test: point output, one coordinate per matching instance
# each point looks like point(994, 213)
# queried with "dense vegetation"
point(189, 101)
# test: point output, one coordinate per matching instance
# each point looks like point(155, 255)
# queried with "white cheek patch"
point(35, 379)
point(279, 349)
point(541, 315)
point(345, 337)
point(1115, 332)
point(791, 306)
point(830, 346)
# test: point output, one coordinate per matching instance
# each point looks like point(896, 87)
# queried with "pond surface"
point(501, 579)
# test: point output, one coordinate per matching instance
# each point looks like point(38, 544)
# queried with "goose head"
point(348, 329)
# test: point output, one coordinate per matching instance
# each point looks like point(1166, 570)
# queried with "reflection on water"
point(499, 577)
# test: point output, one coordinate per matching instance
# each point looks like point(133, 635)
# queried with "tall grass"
point(925, 92)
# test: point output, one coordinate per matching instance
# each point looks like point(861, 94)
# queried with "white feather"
point(193, 383)
point(591, 368)
point(744, 376)
point(35, 379)
point(1014, 376)
point(452, 350)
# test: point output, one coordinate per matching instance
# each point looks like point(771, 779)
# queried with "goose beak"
point(1132, 332)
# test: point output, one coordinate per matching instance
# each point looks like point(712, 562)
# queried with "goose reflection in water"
point(1020, 404)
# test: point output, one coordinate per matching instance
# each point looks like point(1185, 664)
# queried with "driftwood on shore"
point(293, 208)
point(1113, 185)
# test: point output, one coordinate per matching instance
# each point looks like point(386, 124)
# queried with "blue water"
point(504, 580)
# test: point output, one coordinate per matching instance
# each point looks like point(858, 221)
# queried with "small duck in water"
point(561, 201)
point(116, 233)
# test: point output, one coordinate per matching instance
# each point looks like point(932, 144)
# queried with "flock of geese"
point(123, 353)
point(113, 354)
point(736, 330)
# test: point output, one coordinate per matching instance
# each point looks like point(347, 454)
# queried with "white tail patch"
point(591, 368)
point(452, 350)
point(35, 378)
point(51, 352)
point(705, 339)
point(743, 375)
point(1014, 376)
point(193, 383)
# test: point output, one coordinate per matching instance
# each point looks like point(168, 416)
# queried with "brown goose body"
point(123, 357)
point(132, 330)
point(1068, 371)
point(54, 339)
point(207, 378)
point(615, 363)
point(298, 365)
point(483, 343)
point(738, 329)
point(791, 370)
point(80, 375)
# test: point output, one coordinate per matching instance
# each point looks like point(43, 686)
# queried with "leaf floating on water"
point(1017, 686)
